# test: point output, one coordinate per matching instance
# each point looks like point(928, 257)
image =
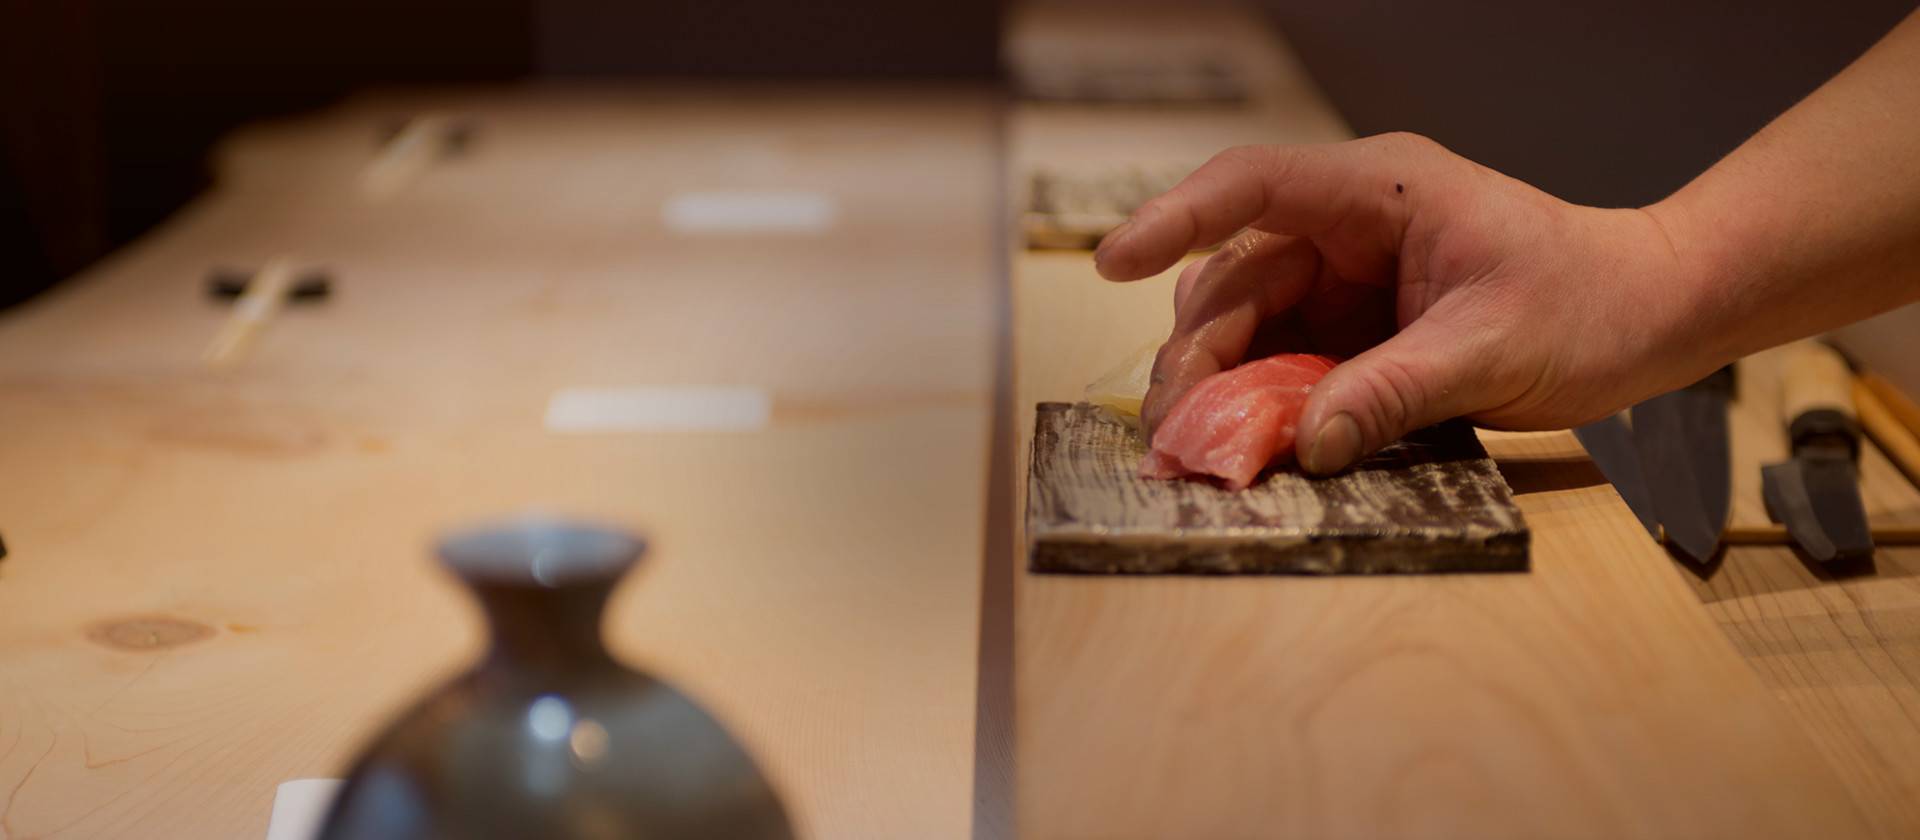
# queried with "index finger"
point(1229, 297)
point(1305, 190)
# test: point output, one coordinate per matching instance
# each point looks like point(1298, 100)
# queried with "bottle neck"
point(538, 630)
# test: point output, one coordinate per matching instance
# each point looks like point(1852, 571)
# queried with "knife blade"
point(1681, 438)
point(1610, 444)
point(1816, 492)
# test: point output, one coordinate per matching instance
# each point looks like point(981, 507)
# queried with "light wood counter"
point(219, 584)
point(815, 584)
point(1590, 697)
point(1839, 646)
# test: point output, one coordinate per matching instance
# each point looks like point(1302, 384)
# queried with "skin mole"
point(1399, 188)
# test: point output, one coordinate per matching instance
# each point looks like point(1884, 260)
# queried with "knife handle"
point(1899, 406)
point(1881, 419)
point(1816, 394)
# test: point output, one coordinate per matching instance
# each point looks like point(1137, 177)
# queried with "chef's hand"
point(1454, 290)
point(1460, 292)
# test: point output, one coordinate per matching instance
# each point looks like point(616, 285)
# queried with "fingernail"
point(1336, 445)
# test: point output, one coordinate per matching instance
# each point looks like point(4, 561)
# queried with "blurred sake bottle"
point(550, 737)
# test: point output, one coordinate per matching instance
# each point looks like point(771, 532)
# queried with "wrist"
point(1705, 307)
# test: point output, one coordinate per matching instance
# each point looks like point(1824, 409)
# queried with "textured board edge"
point(1061, 545)
point(1298, 555)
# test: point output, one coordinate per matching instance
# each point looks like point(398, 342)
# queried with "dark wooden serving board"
point(1433, 502)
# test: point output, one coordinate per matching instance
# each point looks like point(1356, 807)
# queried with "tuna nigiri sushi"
point(1237, 422)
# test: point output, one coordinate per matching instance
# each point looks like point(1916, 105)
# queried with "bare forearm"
point(1815, 221)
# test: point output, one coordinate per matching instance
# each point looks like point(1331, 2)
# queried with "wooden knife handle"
point(1897, 403)
point(1882, 422)
point(1814, 378)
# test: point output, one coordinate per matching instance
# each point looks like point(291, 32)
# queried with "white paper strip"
point(694, 408)
point(750, 211)
point(300, 806)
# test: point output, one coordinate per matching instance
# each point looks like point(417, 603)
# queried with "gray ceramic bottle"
point(550, 737)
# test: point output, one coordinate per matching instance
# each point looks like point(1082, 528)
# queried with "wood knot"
point(148, 632)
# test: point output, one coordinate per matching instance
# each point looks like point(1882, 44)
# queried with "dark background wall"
point(108, 107)
point(835, 38)
point(175, 75)
point(1614, 103)
point(52, 193)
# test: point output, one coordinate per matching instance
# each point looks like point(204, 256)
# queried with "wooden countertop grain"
point(216, 585)
point(1592, 697)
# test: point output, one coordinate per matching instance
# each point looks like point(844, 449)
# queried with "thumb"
point(1415, 379)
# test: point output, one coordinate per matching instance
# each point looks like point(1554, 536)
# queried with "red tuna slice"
point(1236, 422)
